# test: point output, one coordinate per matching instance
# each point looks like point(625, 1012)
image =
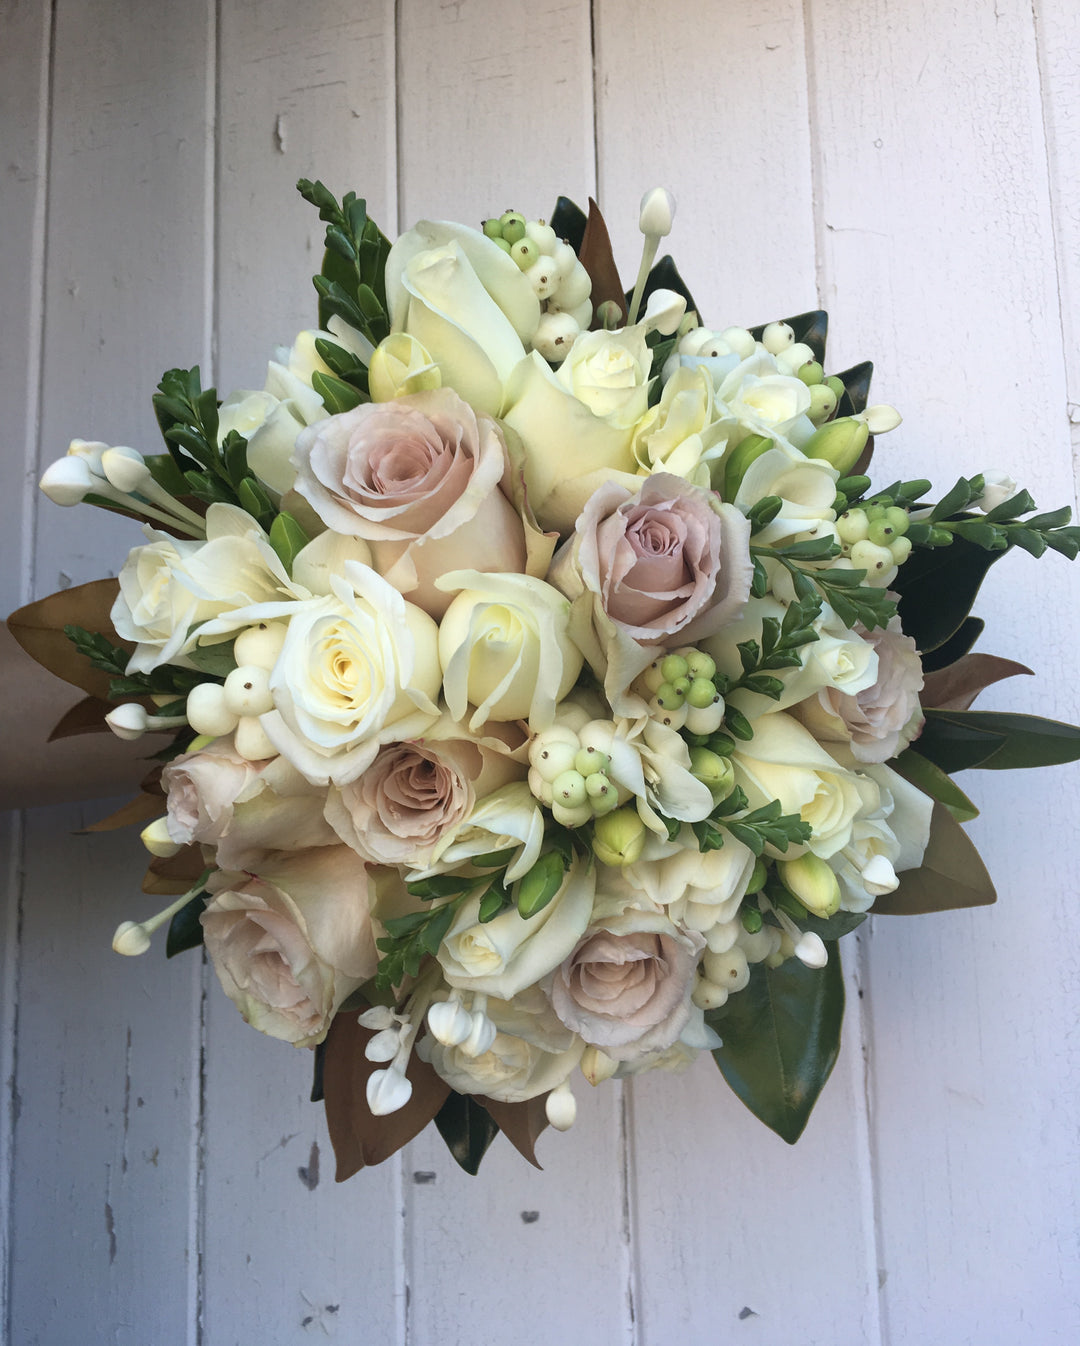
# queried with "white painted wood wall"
point(910, 166)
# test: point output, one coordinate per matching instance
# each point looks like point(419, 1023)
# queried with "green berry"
point(568, 788)
point(589, 761)
point(524, 252)
point(502, 243)
point(811, 373)
point(881, 532)
point(668, 698)
point(701, 693)
point(852, 526)
point(492, 228)
point(899, 519)
point(900, 547)
point(700, 665)
point(674, 666)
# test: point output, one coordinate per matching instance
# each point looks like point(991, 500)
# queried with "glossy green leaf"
point(958, 644)
point(467, 1128)
point(185, 928)
point(217, 660)
point(958, 740)
point(932, 781)
point(287, 538)
point(937, 589)
point(781, 1040)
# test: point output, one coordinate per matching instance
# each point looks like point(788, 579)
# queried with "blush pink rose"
point(421, 479)
point(667, 565)
point(292, 939)
point(414, 792)
point(218, 798)
point(626, 987)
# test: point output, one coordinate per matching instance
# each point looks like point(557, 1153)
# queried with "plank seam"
point(1046, 122)
point(627, 1170)
point(817, 204)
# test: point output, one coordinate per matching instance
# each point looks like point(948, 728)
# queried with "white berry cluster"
point(559, 280)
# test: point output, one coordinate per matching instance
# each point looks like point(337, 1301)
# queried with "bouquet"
point(547, 689)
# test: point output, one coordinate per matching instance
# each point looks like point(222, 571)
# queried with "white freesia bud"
point(878, 876)
point(999, 487)
point(663, 312)
point(157, 840)
point(811, 950)
point(384, 1045)
point(481, 1035)
point(597, 1066)
point(450, 1022)
point(125, 469)
point(128, 721)
point(378, 1017)
point(813, 882)
point(387, 1091)
point(67, 480)
point(561, 1108)
point(130, 939)
point(657, 212)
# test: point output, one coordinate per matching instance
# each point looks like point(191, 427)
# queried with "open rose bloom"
point(548, 689)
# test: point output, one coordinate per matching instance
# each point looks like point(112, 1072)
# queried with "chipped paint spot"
point(422, 1176)
point(746, 1313)
point(110, 1229)
point(529, 1216)
point(279, 133)
point(309, 1175)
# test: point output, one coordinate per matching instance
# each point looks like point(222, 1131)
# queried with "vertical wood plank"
point(103, 1173)
point(103, 1141)
point(126, 247)
point(495, 108)
point(713, 106)
point(939, 264)
point(313, 98)
point(720, 1204)
point(24, 88)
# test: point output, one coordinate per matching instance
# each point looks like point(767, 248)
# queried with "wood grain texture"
point(713, 107)
point(313, 99)
point(937, 238)
point(495, 108)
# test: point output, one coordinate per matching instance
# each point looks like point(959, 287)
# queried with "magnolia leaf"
point(596, 256)
point(952, 874)
point(85, 717)
point(141, 809)
point(169, 876)
point(568, 220)
point(39, 629)
point(468, 1129)
point(932, 781)
point(781, 1038)
point(957, 740)
point(937, 588)
point(521, 1123)
point(957, 686)
point(958, 644)
point(359, 1138)
point(185, 928)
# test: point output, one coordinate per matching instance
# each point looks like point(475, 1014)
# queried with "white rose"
point(504, 956)
point(505, 648)
point(682, 434)
point(467, 302)
point(765, 401)
point(270, 426)
point(291, 939)
point(885, 840)
point(169, 586)
point(700, 889)
point(806, 487)
point(358, 668)
point(783, 761)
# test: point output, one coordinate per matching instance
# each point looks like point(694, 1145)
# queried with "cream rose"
point(701, 890)
point(531, 1053)
point(505, 648)
point(170, 586)
point(416, 793)
point(504, 956)
point(626, 986)
point(359, 668)
point(467, 302)
point(783, 761)
point(420, 478)
point(681, 434)
point(290, 941)
point(879, 720)
point(665, 563)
